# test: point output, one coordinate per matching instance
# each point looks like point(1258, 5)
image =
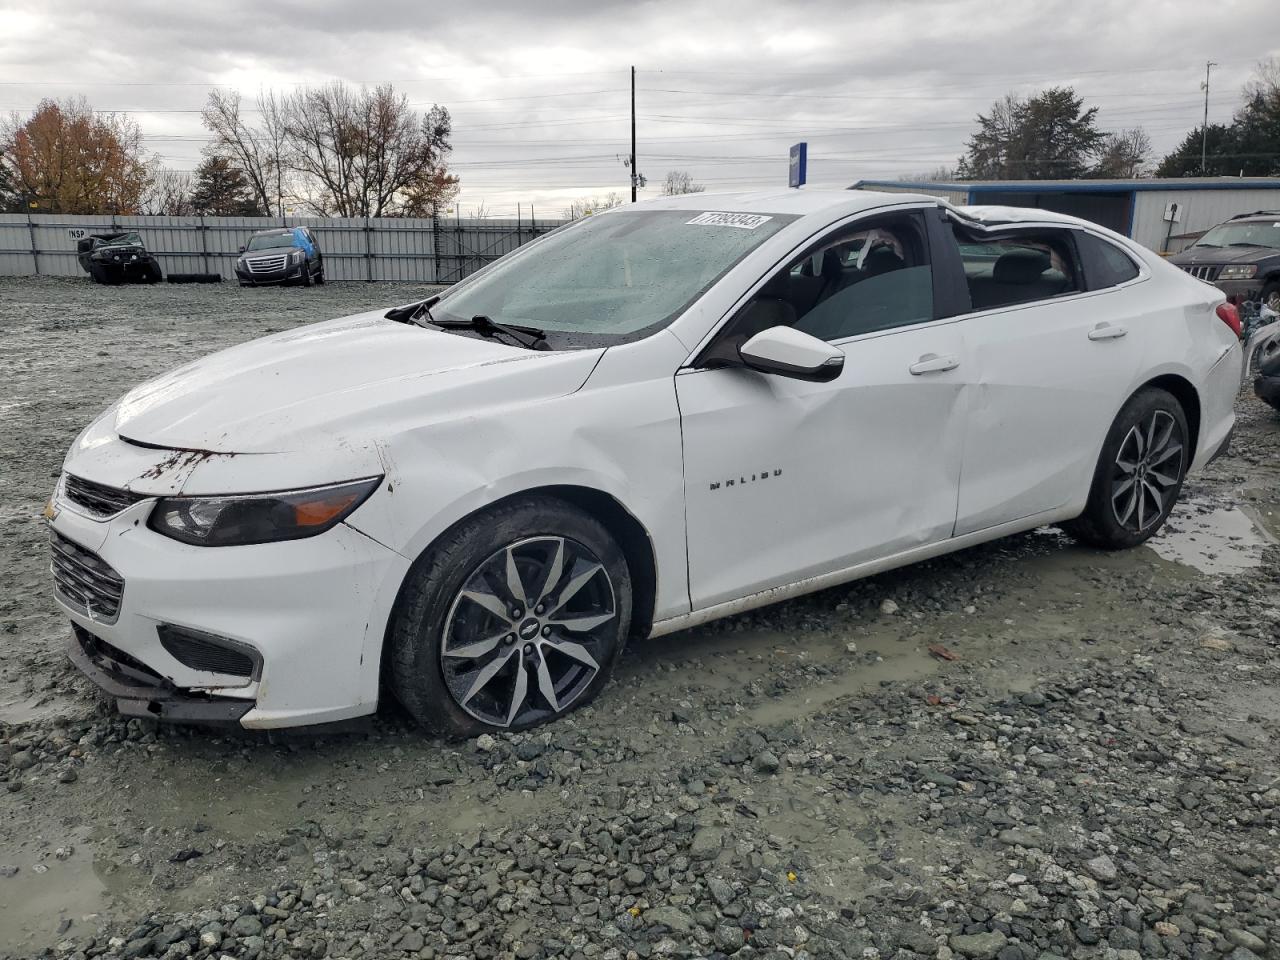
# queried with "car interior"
point(873, 279)
point(1018, 269)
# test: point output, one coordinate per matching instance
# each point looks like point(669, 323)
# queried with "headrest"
point(882, 259)
point(1020, 266)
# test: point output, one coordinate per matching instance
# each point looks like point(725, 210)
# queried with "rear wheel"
point(517, 617)
point(1139, 473)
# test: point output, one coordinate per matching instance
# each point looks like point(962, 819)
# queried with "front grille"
point(84, 580)
point(1207, 272)
point(267, 264)
point(98, 501)
point(203, 652)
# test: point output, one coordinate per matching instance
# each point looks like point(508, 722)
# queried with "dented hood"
point(353, 379)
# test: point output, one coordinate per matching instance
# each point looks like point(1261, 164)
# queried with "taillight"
point(1229, 315)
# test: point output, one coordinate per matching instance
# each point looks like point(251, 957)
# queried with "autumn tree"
point(221, 189)
point(367, 152)
point(680, 182)
point(65, 158)
point(1050, 135)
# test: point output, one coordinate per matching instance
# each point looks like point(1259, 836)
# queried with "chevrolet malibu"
point(660, 415)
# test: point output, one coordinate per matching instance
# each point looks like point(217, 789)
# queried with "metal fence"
point(381, 248)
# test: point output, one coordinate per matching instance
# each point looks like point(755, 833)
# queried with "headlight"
point(1238, 271)
point(258, 517)
point(297, 256)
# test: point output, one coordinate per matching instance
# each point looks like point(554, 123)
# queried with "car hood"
point(1221, 255)
point(357, 380)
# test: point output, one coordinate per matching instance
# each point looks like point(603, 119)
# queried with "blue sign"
point(799, 165)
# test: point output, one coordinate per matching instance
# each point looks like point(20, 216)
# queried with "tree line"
point(328, 150)
point(1053, 135)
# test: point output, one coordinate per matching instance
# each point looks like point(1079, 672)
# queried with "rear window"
point(1105, 263)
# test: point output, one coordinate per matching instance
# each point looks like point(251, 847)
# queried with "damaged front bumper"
point(141, 692)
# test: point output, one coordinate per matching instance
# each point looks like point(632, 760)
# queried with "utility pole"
point(1204, 130)
point(634, 133)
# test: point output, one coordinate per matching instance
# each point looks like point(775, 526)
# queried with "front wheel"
point(516, 617)
point(1139, 474)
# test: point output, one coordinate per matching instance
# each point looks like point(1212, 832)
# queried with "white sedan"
point(660, 415)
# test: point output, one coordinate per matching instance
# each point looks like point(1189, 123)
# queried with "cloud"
point(539, 92)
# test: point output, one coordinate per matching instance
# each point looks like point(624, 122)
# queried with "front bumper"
point(297, 272)
point(1240, 291)
point(141, 692)
point(312, 613)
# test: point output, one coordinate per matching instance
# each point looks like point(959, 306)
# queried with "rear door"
point(1054, 357)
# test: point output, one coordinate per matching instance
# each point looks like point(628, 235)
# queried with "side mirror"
point(242, 248)
point(788, 352)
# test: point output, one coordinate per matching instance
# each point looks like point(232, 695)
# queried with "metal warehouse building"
point(1136, 208)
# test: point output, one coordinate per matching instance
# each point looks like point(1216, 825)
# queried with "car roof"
point(833, 204)
point(274, 232)
point(782, 201)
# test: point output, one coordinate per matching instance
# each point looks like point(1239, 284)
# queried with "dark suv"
point(1240, 257)
point(283, 255)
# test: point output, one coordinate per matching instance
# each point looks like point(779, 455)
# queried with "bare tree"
point(256, 150)
point(586, 206)
point(1124, 154)
point(941, 174)
point(168, 192)
point(368, 153)
point(679, 182)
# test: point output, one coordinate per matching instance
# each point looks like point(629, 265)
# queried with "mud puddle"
point(1213, 538)
point(56, 893)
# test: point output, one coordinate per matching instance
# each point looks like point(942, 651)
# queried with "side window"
point(1019, 267)
point(874, 275)
point(1106, 265)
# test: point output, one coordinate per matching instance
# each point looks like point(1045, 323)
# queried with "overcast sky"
point(539, 91)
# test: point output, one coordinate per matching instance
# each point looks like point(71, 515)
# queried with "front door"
point(787, 479)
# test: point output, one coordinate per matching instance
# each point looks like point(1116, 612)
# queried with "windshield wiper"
point(530, 337)
point(1245, 243)
point(410, 312)
point(1214, 245)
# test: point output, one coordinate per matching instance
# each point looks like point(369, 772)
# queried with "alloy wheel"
point(1273, 301)
point(1146, 472)
point(529, 631)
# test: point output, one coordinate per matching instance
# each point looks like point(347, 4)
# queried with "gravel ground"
point(1024, 751)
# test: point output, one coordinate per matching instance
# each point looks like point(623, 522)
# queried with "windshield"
point(614, 276)
point(125, 240)
point(1256, 234)
point(272, 240)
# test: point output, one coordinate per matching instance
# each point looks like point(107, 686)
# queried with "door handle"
point(1107, 331)
point(932, 363)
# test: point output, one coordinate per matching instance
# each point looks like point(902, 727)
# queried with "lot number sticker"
point(743, 221)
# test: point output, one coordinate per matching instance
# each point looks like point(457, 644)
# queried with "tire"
point(465, 694)
point(320, 276)
point(1148, 434)
point(305, 279)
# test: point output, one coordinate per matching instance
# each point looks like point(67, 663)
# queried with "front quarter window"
point(614, 277)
